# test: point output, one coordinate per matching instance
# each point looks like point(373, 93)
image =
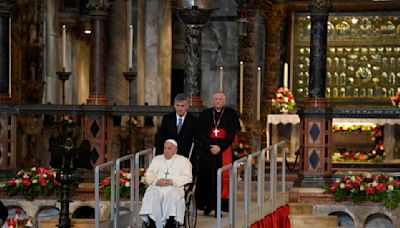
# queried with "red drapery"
point(277, 219)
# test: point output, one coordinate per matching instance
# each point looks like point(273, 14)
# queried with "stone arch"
point(378, 220)
point(12, 211)
point(344, 219)
point(47, 212)
point(84, 212)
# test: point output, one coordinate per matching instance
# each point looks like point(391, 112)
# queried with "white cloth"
point(161, 202)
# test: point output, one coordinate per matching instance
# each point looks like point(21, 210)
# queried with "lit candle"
point(9, 57)
point(221, 78)
point(285, 76)
point(258, 92)
point(64, 46)
point(241, 88)
point(130, 49)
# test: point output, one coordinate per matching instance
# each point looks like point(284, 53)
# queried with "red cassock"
point(220, 133)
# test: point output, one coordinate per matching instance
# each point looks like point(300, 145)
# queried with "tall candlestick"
point(241, 88)
point(64, 46)
point(258, 92)
point(130, 49)
point(221, 78)
point(285, 76)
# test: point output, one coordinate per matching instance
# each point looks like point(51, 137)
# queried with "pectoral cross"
point(216, 131)
point(166, 174)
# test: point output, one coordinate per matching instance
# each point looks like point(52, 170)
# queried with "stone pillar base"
point(5, 98)
point(317, 102)
point(308, 181)
point(195, 101)
point(97, 100)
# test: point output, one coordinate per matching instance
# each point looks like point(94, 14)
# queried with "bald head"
point(218, 100)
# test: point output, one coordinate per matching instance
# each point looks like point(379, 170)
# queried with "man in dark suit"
point(179, 125)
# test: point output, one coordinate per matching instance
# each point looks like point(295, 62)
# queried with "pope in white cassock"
point(166, 177)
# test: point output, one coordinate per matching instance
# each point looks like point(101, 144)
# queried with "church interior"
point(321, 75)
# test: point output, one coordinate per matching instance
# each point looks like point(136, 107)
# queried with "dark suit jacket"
point(168, 130)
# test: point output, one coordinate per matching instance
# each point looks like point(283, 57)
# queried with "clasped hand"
point(164, 182)
point(215, 149)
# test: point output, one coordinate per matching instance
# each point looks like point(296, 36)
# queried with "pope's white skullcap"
point(173, 142)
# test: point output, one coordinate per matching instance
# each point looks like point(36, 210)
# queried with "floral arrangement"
point(18, 221)
point(376, 188)
point(69, 121)
point(396, 99)
point(124, 183)
point(376, 154)
point(240, 146)
point(283, 101)
point(33, 182)
point(132, 123)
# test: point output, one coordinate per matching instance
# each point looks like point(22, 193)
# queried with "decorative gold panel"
point(363, 57)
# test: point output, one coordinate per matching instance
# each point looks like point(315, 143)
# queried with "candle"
point(241, 88)
point(221, 78)
point(9, 57)
point(130, 49)
point(258, 92)
point(64, 46)
point(285, 75)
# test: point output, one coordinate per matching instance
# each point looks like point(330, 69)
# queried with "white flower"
point(127, 184)
point(127, 175)
point(342, 185)
point(34, 181)
point(44, 175)
point(367, 175)
point(353, 178)
point(33, 169)
point(29, 223)
point(374, 184)
point(18, 181)
point(390, 188)
point(362, 188)
point(390, 179)
point(337, 180)
point(25, 175)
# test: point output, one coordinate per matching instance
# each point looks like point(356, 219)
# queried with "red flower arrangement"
point(376, 154)
point(283, 101)
point(240, 146)
point(377, 188)
point(124, 183)
point(396, 99)
point(19, 221)
point(33, 182)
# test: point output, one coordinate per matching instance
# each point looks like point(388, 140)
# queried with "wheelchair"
point(190, 218)
point(190, 204)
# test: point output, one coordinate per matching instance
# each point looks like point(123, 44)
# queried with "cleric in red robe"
point(218, 127)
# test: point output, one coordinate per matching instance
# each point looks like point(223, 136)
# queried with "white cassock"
point(161, 202)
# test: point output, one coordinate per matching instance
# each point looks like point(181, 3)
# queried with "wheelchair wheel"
point(191, 211)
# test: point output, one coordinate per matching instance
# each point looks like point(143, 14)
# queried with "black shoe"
point(207, 210)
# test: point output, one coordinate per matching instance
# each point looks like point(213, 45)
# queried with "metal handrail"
point(97, 190)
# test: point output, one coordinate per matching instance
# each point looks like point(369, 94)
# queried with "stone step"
point(300, 209)
point(313, 220)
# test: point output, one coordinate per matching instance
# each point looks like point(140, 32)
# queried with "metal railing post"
point(219, 189)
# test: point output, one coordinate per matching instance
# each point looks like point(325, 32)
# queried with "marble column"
point(97, 128)
point(5, 7)
point(274, 16)
point(192, 72)
point(247, 52)
point(194, 18)
point(316, 121)
point(7, 122)
point(98, 66)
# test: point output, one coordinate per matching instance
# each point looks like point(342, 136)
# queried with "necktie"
point(180, 123)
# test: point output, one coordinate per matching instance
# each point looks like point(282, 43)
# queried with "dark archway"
point(343, 218)
point(378, 220)
point(84, 212)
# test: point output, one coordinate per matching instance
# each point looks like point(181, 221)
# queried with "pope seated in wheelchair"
point(164, 200)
